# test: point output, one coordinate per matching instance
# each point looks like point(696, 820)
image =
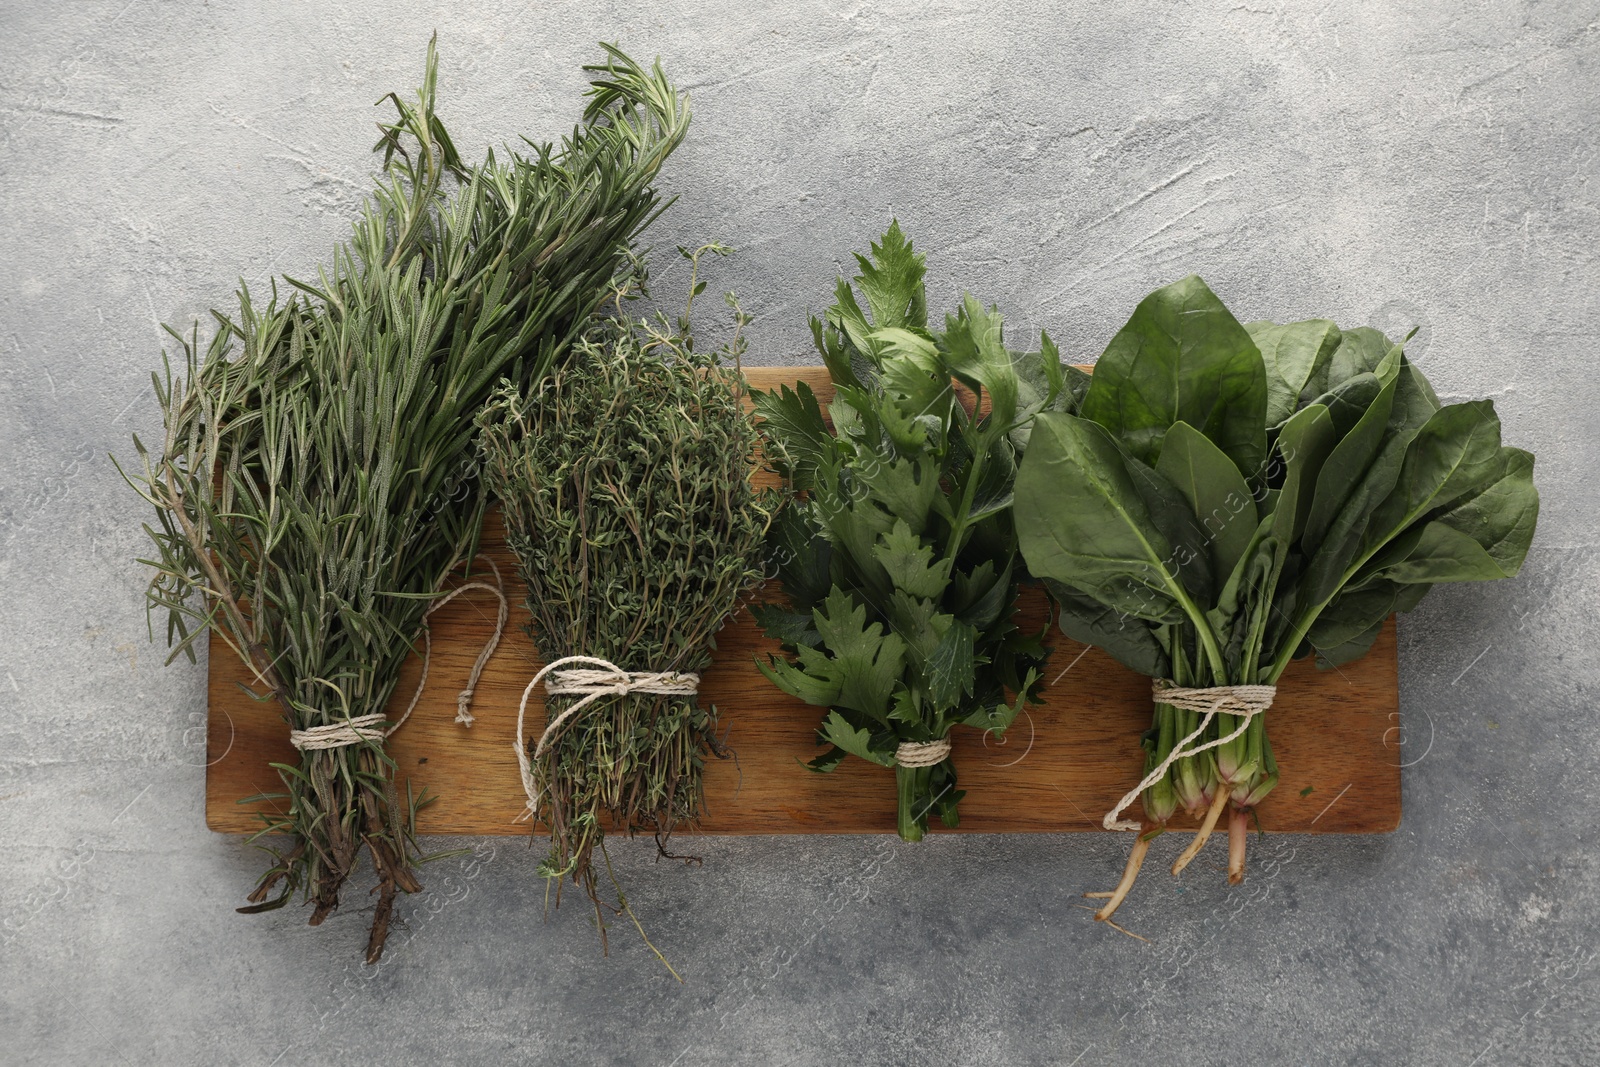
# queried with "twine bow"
point(604, 679)
point(1243, 700)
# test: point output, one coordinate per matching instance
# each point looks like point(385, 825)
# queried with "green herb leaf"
point(1349, 465)
point(951, 669)
point(1296, 357)
point(1182, 357)
point(848, 739)
point(1304, 443)
point(1215, 491)
point(892, 282)
point(977, 356)
point(1087, 620)
point(865, 661)
point(1360, 351)
point(1089, 526)
point(910, 563)
point(797, 432)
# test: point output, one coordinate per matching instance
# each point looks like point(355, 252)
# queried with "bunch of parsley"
point(897, 551)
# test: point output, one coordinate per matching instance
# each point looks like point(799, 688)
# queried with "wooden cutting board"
point(1336, 735)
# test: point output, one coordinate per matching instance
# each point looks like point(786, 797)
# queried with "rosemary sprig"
point(317, 482)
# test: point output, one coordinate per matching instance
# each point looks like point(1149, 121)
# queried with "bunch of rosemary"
point(317, 483)
point(625, 481)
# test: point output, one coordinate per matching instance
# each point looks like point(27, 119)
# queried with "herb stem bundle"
point(625, 483)
point(317, 483)
point(898, 554)
point(1230, 497)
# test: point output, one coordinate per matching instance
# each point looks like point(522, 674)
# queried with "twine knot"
point(1246, 701)
point(601, 678)
point(922, 753)
point(366, 727)
point(464, 698)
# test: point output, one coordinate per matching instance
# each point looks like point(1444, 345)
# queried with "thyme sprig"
point(625, 482)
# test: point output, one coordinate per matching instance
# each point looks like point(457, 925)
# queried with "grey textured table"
point(1351, 160)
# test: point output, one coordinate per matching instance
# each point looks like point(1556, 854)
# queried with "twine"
point(366, 728)
point(591, 684)
point(1247, 701)
point(922, 753)
point(464, 698)
point(339, 734)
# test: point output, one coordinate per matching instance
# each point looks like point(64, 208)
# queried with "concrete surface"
point(1398, 164)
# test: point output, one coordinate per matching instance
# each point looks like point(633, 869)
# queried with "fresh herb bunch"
point(317, 483)
point(625, 482)
point(897, 552)
point(1231, 497)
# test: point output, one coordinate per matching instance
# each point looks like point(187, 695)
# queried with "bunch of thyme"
point(625, 482)
point(317, 483)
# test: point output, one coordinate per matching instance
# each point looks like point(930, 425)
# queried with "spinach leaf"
point(1481, 537)
point(1087, 620)
point(1347, 466)
point(1360, 350)
point(1304, 444)
point(1182, 357)
point(1088, 523)
point(1349, 399)
point(1216, 494)
point(1296, 357)
point(1346, 628)
point(1456, 453)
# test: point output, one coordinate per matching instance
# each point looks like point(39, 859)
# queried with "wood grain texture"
point(1062, 766)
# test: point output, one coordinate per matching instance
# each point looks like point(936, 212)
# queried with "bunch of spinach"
point(1230, 497)
point(897, 551)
